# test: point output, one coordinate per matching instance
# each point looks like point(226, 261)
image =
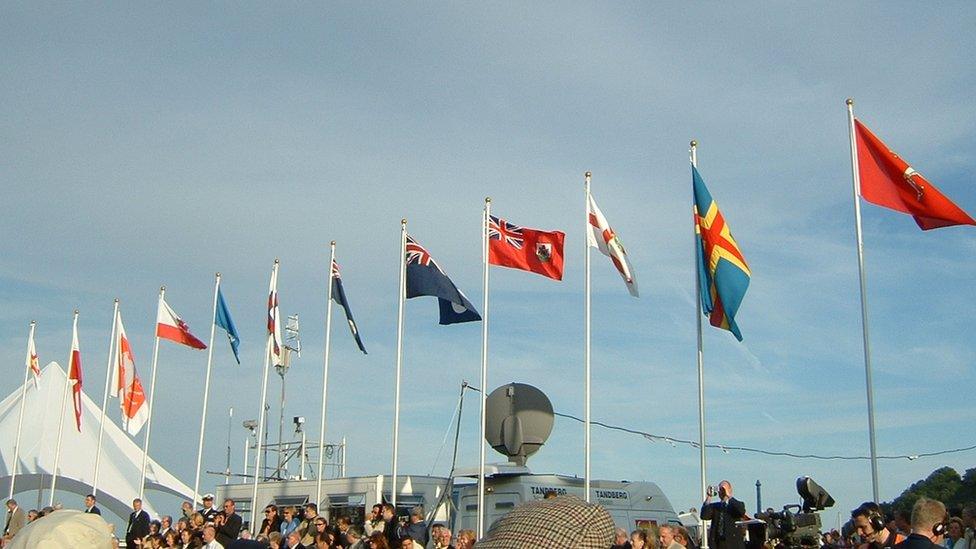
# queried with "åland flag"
point(425, 277)
point(722, 270)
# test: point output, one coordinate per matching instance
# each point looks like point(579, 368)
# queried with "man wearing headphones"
point(870, 525)
point(928, 525)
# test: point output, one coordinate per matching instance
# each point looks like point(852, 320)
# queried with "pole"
point(701, 371)
point(325, 372)
point(264, 398)
point(247, 444)
point(64, 399)
point(856, 181)
point(759, 508)
point(23, 402)
point(152, 395)
point(206, 390)
point(281, 416)
point(342, 464)
point(230, 422)
point(586, 345)
point(484, 368)
point(108, 378)
point(402, 292)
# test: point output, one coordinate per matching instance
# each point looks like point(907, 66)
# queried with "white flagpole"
point(701, 371)
point(255, 524)
point(402, 292)
point(586, 345)
point(484, 369)
point(325, 372)
point(152, 394)
point(64, 398)
point(856, 180)
point(206, 390)
point(20, 420)
point(108, 380)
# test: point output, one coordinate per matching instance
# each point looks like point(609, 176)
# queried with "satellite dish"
point(519, 419)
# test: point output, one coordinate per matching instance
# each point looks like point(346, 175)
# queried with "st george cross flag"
point(888, 181)
point(31, 361)
point(126, 385)
point(74, 376)
point(274, 320)
point(540, 252)
point(224, 320)
point(339, 296)
point(425, 277)
point(170, 326)
point(602, 237)
point(722, 269)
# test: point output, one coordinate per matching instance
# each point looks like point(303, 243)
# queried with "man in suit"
point(90, 506)
point(16, 519)
point(230, 525)
point(138, 526)
point(723, 533)
point(209, 538)
point(294, 540)
point(209, 512)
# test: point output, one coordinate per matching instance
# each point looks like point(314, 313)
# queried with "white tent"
point(121, 465)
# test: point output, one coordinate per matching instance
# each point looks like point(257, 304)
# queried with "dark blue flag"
point(224, 320)
point(339, 296)
point(425, 277)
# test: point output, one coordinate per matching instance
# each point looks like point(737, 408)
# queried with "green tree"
point(944, 484)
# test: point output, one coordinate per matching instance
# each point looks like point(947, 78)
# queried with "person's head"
point(32, 515)
point(725, 489)
point(209, 532)
point(166, 521)
point(465, 539)
point(311, 510)
point(955, 528)
point(182, 524)
point(417, 514)
point(903, 520)
point(869, 522)
point(442, 534)
point(407, 543)
point(11, 504)
point(208, 500)
point(196, 520)
point(294, 538)
point(681, 536)
point(288, 513)
point(320, 525)
point(353, 534)
point(137, 504)
point(229, 506)
point(171, 538)
point(638, 539)
point(274, 539)
point(376, 512)
point(90, 500)
point(186, 535)
point(153, 527)
point(925, 514)
point(620, 536)
point(378, 541)
point(665, 535)
point(388, 512)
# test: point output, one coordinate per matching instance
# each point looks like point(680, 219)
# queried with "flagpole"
point(586, 345)
point(20, 420)
point(325, 372)
point(206, 390)
point(264, 399)
point(701, 371)
point(152, 395)
point(484, 369)
point(402, 291)
point(108, 379)
point(856, 181)
point(64, 398)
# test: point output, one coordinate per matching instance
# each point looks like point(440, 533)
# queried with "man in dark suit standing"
point(90, 506)
point(138, 527)
point(723, 533)
point(229, 525)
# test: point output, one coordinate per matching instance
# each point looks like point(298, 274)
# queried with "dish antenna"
point(518, 421)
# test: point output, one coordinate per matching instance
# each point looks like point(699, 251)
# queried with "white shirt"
point(213, 545)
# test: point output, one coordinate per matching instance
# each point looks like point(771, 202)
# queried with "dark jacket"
point(138, 527)
point(723, 533)
point(229, 530)
point(94, 510)
point(917, 541)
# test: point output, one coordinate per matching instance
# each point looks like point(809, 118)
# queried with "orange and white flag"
point(602, 237)
point(31, 361)
point(126, 384)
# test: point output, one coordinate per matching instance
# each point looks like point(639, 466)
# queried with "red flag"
point(170, 326)
point(32, 362)
point(540, 252)
point(887, 180)
point(74, 376)
point(126, 384)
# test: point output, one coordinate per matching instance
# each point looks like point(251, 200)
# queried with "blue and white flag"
point(425, 277)
point(339, 296)
point(224, 320)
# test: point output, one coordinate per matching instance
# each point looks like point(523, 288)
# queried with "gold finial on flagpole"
point(162, 288)
point(850, 101)
point(487, 200)
point(217, 274)
point(33, 322)
point(694, 143)
point(588, 174)
point(332, 243)
point(76, 312)
point(403, 221)
point(116, 300)
point(276, 261)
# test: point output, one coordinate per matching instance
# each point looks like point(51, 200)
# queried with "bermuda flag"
point(540, 252)
point(170, 326)
point(602, 237)
point(274, 319)
point(125, 382)
point(74, 375)
point(31, 361)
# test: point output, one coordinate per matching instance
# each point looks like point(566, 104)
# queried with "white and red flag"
point(74, 375)
point(126, 385)
point(170, 326)
point(274, 320)
point(31, 361)
point(602, 237)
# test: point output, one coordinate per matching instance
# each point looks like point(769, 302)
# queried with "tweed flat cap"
point(557, 523)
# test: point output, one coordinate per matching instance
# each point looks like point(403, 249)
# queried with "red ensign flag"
point(540, 252)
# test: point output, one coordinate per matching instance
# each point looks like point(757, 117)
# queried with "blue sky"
point(148, 145)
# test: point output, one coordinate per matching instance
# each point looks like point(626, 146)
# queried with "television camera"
point(796, 526)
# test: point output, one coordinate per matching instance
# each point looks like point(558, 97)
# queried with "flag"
point(274, 320)
point(722, 270)
point(126, 384)
point(888, 181)
point(602, 237)
point(170, 326)
point(540, 252)
point(425, 277)
point(74, 375)
point(224, 320)
point(339, 296)
point(31, 361)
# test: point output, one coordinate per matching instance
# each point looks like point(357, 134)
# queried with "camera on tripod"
point(796, 526)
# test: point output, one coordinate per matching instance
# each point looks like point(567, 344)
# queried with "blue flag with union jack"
point(425, 277)
point(339, 296)
point(722, 270)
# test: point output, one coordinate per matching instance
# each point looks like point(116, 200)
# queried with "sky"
point(148, 145)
